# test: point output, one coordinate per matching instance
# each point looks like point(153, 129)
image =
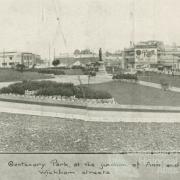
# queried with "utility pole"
point(173, 66)
point(3, 58)
point(54, 53)
point(49, 55)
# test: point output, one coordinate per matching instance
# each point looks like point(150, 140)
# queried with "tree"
point(56, 62)
point(91, 73)
point(86, 51)
point(20, 67)
point(77, 52)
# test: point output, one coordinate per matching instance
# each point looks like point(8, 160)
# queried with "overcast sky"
point(31, 25)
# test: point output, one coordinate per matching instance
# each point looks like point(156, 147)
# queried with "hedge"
point(19, 88)
point(51, 91)
point(126, 76)
point(50, 88)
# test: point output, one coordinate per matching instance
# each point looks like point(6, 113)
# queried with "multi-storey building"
point(11, 59)
point(170, 58)
point(152, 54)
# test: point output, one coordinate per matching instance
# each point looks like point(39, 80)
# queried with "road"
point(88, 115)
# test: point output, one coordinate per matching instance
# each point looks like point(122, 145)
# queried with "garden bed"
point(51, 88)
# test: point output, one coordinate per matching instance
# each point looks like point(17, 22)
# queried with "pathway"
point(88, 115)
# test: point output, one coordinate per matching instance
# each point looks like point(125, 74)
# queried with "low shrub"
point(91, 72)
point(16, 88)
point(6, 90)
point(19, 88)
point(50, 88)
point(52, 91)
point(77, 67)
point(164, 84)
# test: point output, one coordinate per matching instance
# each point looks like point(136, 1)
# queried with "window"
point(10, 57)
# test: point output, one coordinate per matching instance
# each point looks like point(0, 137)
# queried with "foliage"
point(16, 88)
point(50, 88)
point(77, 67)
point(51, 91)
point(56, 62)
point(86, 51)
point(91, 71)
point(77, 52)
point(20, 67)
point(126, 76)
point(164, 84)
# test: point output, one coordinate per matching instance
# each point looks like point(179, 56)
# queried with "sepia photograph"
point(97, 78)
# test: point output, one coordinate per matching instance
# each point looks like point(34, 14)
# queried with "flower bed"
point(61, 99)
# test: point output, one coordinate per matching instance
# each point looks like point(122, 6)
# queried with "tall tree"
point(77, 52)
point(56, 62)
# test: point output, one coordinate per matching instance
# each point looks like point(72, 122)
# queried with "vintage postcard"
point(89, 89)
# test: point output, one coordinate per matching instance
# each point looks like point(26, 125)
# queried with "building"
point(11, 59)
point(169, 59)
point(114, 59)
point(152, 54)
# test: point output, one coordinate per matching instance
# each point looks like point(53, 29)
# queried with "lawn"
point(129, 93)
point(8, 75)
point(73, 71)
point(157, 78)
point(25, 133)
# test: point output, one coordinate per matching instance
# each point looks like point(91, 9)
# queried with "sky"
point(65, 25)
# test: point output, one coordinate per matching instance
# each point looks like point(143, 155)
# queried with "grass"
point(25, 133)
point(157, 78)
point(8, 75)
point(129, 93)
point(73, 71)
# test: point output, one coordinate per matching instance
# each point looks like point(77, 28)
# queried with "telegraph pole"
point(173, 66)
point(54, 53)
point(3, 58)
point(49, 55)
